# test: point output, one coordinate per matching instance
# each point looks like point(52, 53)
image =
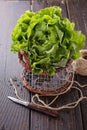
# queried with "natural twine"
point(68, 105)
point(15, 90)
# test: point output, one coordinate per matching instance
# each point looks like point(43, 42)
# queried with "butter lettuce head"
point(48, 39)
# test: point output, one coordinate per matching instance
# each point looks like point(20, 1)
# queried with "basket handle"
point(23, 59)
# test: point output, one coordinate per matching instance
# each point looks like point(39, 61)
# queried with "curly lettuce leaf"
point(48, 39)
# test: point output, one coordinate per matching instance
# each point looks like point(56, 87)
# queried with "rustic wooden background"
point(14, 116)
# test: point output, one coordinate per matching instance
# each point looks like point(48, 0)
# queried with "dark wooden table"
point(14, 116)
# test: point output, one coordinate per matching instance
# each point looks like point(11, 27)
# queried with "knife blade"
point(35, 107)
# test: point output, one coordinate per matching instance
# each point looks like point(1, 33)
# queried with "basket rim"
point(23, 59)
point(45, 92)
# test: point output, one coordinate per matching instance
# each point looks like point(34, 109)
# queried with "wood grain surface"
point(14, 116)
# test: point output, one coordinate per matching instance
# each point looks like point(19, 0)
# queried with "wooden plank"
point(60, 3)
point(12, 116)
point(38, 4)
point(77, 13)
point(83, 80)
point(67, 120)
point(61, 121)
point(73, 12)
point(53, 3)
point(38, 121)
point(83, 10)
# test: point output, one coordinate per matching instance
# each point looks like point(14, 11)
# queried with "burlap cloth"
point(80, 65)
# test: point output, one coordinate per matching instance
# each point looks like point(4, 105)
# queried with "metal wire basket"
point(43, 83)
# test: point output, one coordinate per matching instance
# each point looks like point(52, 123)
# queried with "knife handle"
point(44, 110)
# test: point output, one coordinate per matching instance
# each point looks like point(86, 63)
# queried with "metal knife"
point(35, 107)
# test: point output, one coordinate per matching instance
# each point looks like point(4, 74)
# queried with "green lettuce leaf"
point(48, 39)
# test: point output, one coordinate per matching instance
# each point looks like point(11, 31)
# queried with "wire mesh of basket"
point(43, 83)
